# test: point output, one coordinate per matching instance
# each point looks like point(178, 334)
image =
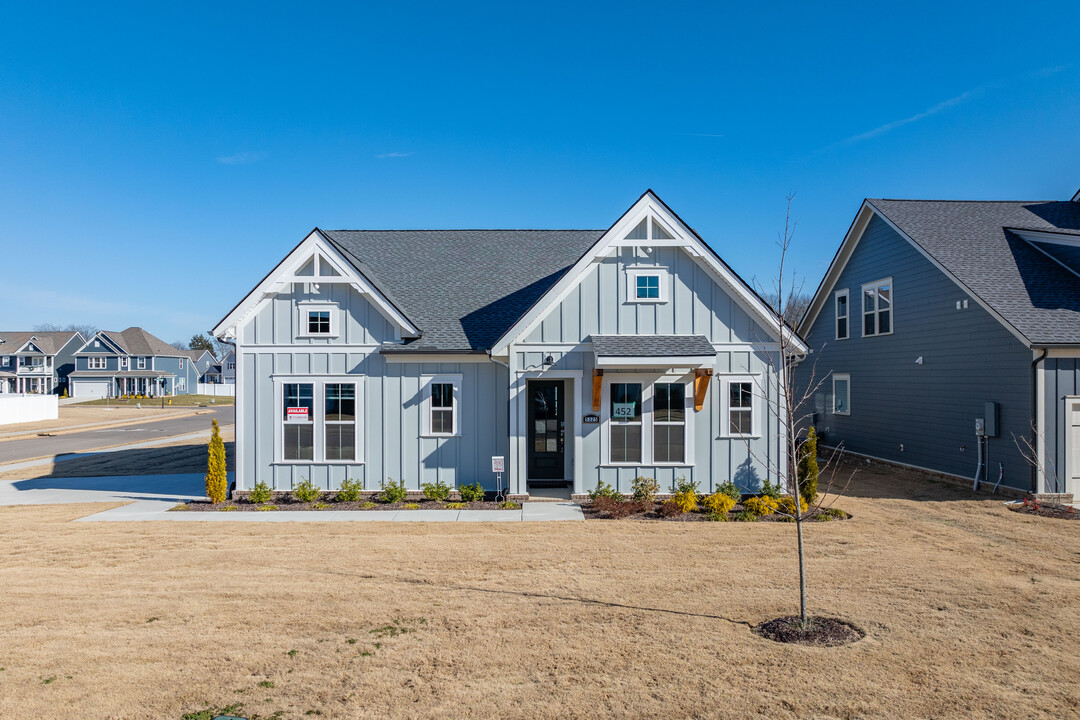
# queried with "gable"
point(720, 304)
point(101, 343)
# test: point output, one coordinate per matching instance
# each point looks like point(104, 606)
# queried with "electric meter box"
point(992, 415)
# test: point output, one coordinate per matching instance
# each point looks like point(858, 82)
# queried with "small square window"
point(318, 322)
point(648, 287)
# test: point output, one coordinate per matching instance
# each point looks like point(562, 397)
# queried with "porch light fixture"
point(548, 361)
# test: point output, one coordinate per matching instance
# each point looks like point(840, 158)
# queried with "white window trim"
point(319, 383)
point(123, 363)
point(688, 413)
point(306, 306)
point(756, 405)
point(7, 362)
point(846, 294)
point(181, 383)
point(841, 376)
point(631, 284)
point(92, 363)
point(140, 363)
point(647, 418)
point(425, 405)
point(892, 308)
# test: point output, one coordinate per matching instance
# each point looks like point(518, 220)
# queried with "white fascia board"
point(847, 248)
point(285, 273)
point(1047, 236)
point(109, 342)
point(684, 237)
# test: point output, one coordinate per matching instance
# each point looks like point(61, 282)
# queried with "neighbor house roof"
point(463, 288)
point(652, 346)
point(49, 343)
point(136, 341)
point(980, 244)
point(196, 354)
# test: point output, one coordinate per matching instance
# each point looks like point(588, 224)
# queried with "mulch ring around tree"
point(328, 505)
point(1030, 507)
point(820, 631)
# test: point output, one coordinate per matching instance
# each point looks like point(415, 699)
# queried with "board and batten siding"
point(1060, 384)
point(928, 409)
point(391, 415)
point(276, 322)
point(696, 305)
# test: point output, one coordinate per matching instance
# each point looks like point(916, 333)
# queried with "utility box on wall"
point(992, 413)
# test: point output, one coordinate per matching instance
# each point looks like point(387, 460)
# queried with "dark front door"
point(546, 430)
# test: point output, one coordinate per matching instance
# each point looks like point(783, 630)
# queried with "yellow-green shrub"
point(217, 483)
point(787, 505)
point(760, 506)
point(686, 500)
point(718, 503)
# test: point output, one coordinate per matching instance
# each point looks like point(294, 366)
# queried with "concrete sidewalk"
point(155, 495)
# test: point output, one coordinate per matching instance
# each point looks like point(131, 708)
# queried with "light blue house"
point(576, 356)
point(937, 315)
point(131, 362)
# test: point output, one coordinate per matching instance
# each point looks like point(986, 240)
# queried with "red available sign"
point(296, 414)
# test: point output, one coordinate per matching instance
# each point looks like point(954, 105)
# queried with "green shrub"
point(744, 516)
point(808, 470)
point(604, 490)
point(349, 492)
point(268, 507)
point(455, 506)
point(228, 508)
point(768, 489)
point(368, 505)
point(260, 493)
point(682, 485)
point(437, 490)
point(217, 483)
point(321, 506)
point(827, 514)
point(472, 493)
point(392, 492)
point(717, 517)
point(305, 491)
point(730, 489)
point(645, 489)
point(411, 506)
point(510, 505)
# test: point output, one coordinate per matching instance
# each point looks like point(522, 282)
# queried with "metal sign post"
point(497, 467)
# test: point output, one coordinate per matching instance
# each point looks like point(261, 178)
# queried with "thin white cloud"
point(241, 158)
point(704, 135)
point(394, 155)
point(929, 112)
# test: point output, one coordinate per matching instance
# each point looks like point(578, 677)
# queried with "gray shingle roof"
point(652, 346)
point(49, 342)
point(136, 341)
point(973, 241)
point(463, 288)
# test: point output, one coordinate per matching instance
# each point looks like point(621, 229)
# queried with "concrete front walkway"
point(155, 495)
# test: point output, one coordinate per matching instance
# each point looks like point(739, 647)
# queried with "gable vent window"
point(318, 322)
point(877, 308)
point(648, 287)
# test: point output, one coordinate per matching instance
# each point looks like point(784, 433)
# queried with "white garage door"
point(89, 388)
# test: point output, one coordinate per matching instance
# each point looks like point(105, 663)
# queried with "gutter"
point(1035, 417)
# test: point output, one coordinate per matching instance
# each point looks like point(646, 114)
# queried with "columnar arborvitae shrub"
point(808, 467)
point(217, 483)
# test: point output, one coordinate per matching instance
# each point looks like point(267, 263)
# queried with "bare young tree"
point(86, 330)
point(1028, 448)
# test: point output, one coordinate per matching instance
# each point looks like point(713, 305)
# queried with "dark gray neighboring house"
point(933, 309)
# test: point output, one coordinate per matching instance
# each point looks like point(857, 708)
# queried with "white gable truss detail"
point(315, 260)
point(30, 347)
point(663, 222)
point(109, 343)
point(847, 249)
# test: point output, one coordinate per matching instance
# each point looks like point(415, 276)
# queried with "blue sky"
point(156, 160)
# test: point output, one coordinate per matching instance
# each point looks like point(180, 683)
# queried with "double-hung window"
point(340, 421)
point(625, 425)
point(669, 422)
point(298, 415)
point(739, 407)
point(141, 363)
point(7, 362)
point(442, 408)
point(842, 314)
point(877, 307)
point(95, 363)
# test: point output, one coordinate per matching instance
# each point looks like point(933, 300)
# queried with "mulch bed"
point(636, 510)
point(1061, 512)
point(285, 505)
point(821, 631)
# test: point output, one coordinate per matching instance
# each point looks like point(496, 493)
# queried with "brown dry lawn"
point(73, 416)
point(970, 611)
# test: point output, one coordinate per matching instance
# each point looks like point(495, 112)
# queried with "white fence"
point(28, 408)
point(217, 389)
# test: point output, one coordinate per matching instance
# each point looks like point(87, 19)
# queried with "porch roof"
point(118, 374)
point(652, 350)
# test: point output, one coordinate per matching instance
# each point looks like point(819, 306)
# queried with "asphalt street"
point(16, 450)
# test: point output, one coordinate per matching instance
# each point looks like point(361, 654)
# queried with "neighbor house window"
point(669, 422)
point(738, 408)
point(318, 322)
point(442, 408)
point(841, 314)
point(181, 383)
point(232, 366)
point(625, 425)
point(7, 362)
point(877, 308)
point(298, 416)
point(141, 363)
point(123, 362)
point(340, 421)
point(841, 394)
point(96, 363)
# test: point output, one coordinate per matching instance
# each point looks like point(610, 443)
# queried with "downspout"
point(1035, 419)
point(509, 383)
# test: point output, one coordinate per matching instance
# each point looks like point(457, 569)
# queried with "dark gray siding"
point(969, 358)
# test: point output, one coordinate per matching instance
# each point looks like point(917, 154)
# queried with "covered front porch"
point(148, 384)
